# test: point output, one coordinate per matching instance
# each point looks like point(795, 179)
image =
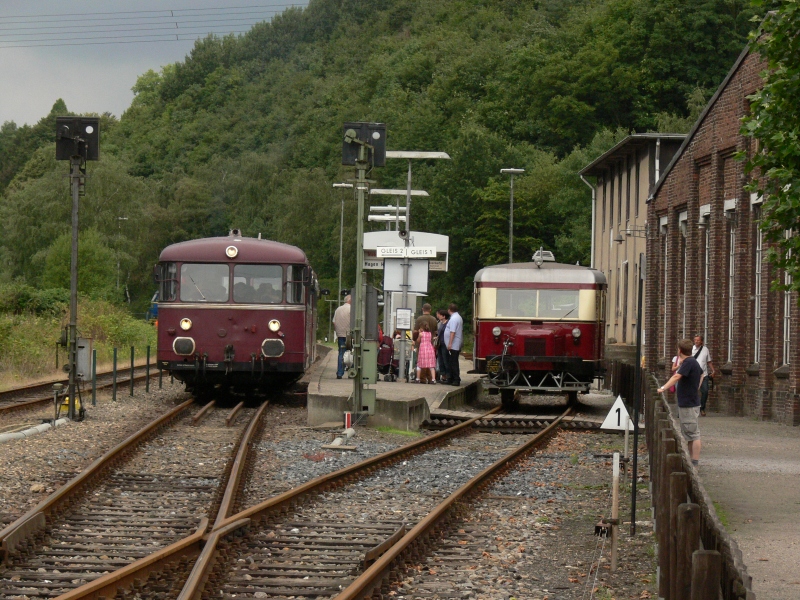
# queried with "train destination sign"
point(406, 252)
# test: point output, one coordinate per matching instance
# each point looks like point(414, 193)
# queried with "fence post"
point(94, 377)
point(133, 350)
point(668, 446)
point(614, 512)
point(706, 572)
point(688, 539)
point(114, 378)
point(160, 378)
point(147, 372)
point(678, 488)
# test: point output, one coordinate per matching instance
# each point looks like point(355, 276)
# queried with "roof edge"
point(628, 139)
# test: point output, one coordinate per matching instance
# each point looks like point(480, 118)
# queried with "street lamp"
point(511, 172)
point(119, 241)
point(341, 234)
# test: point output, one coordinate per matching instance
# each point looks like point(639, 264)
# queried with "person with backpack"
point(703, 357)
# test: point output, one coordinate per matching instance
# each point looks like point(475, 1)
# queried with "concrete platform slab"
point(399, 405)
point(750, 469)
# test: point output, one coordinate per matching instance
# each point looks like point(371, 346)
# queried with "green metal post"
point(114, 378)
point(132, 357)
point(160, 378)
point(94, 377)
point(147, 373)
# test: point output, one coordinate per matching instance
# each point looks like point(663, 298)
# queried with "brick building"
point(624, 178)
point(706, 265)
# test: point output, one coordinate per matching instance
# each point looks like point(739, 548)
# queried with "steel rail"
point(29, 524)
point(46, 386)
point(193, 588)
point(374, 576)
point(11, 406)
point(201, 545)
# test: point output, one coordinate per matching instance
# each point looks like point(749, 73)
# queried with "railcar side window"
point(169, 282)
point(294, 284)
point(258, 284)
point(558, 303)
point(205, 282)
point(516, 303)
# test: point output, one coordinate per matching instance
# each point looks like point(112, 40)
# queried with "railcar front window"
point(516, 303)
point(558, 304)
point(294, 284)
point(258, 284)
point(204, 282)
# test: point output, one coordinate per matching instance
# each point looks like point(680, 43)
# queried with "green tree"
point(774, 121)
point(96, 264)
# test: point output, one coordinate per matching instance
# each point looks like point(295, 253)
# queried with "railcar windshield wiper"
point(569, 313)
point(197, 288)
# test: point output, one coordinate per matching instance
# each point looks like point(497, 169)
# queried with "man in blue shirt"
point(454, 338)
point(688, 378)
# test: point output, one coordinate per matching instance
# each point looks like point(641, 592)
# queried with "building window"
point(603, 187)
point(636, 191)
point(619, 194)
point(731, 269)
point(683, 224)
point(759, 235)
point(665, 291)
point(627, 189)
point(625, 303)
point(611, 200)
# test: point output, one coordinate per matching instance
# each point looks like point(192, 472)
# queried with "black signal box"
point(359, 133)
point(78, 136)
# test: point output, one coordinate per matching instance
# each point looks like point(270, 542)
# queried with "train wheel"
point(508, 399)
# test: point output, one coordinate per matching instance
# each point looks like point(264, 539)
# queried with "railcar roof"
point(251, 250)
point(548, 272)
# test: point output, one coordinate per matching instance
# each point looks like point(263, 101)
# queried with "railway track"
point(129, 504)
point(38, 394)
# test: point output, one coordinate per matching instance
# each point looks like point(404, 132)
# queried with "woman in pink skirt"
point(426, 357)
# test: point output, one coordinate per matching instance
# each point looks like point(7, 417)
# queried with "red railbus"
point(539, 327)
point(235, 312)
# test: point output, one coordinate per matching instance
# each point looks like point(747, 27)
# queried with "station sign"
point(437, 265)
point(406, 251)
point(373, 263)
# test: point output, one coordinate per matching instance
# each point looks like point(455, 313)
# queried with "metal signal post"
point(77, 140)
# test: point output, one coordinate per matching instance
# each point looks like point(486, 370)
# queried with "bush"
point(19, 298)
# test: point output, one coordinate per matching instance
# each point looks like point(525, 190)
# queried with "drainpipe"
point(594, 210)
point(658, 159)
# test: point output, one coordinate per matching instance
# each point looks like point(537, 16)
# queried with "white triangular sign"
point(617, 417)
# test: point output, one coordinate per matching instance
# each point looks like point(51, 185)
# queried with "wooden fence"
point(697, 558)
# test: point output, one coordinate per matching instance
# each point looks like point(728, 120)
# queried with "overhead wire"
point(144, 27)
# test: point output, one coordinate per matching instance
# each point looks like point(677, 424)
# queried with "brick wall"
point(688, 297)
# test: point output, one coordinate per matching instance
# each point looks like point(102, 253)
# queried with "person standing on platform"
point(440, 345)
point(454, 337)
point(703, 357)
point(687, 379)
point(341, 325)
point(426, 357)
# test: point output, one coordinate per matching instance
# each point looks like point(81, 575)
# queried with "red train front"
point(235, 312)
point(539, 327)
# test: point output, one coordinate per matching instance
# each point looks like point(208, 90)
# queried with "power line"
point(134, 27)
point(167, 12)
point(177, 39)
point(112, 37)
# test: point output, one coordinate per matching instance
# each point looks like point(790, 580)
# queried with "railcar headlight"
point(231, 251)
point(576, 333)
point(496, 332)
point(274, 325)
point(186, 324)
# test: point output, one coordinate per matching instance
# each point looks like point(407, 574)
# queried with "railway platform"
point(751, 470)
point(399, 405)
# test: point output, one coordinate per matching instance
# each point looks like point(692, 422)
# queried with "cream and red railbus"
point(539, 327)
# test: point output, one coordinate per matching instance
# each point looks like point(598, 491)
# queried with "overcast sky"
point(46, 54)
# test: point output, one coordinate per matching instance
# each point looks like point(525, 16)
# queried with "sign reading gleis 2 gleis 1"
point(406, 252)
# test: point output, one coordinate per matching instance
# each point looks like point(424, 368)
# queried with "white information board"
point(617, 417)
point(403, 252)
point(417, 275)
point(403, 318)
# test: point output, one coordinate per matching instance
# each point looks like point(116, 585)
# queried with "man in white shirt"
point(454, 337)
point(341, 327)
point(703, 357)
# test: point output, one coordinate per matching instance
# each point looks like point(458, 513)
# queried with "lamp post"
point(409, 156)
point(511, 172)
point(341, 234)
point(119, 241)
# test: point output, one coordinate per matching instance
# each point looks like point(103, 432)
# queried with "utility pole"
point(77, 140)
point(511, 172)
point(341, 236)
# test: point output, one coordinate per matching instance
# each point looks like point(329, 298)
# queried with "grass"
point(394, 431)
point(27, 341)
point(542, 520)
point(573, 459)
point(722, 514)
